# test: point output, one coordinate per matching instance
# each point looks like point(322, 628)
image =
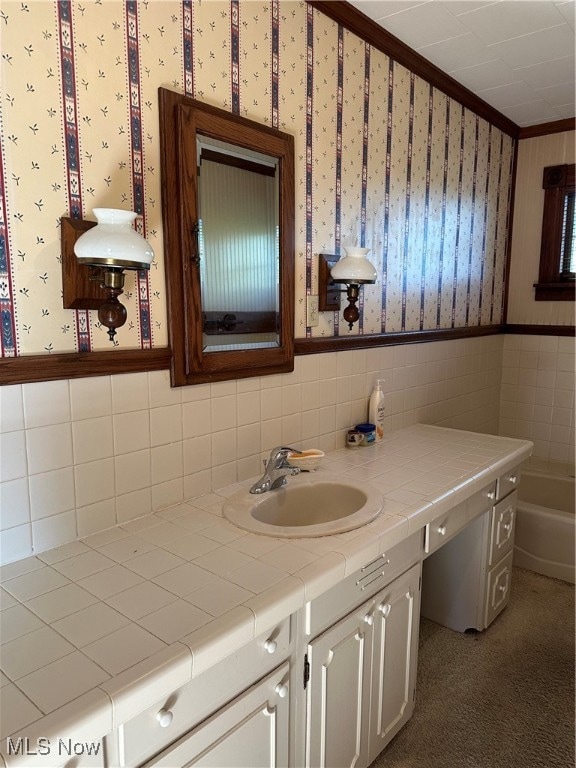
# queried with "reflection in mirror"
point(238, 230)
point(228, 226)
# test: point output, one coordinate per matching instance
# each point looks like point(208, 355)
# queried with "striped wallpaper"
point(383, 160)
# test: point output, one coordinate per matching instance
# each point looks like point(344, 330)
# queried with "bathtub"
point(544, 540)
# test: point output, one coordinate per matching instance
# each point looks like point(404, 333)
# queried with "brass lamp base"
point(111, 313)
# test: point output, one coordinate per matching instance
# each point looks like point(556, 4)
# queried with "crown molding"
point(360, 24)
point(546, 129)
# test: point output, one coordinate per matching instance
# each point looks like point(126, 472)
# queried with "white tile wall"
point(80, 456)
point(537, 398)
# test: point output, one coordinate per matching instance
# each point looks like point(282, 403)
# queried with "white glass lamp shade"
point(354, 268)
point(114, 242)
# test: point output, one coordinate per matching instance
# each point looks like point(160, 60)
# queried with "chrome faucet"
point(276, 470)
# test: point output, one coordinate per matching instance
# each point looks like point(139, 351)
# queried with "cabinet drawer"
point(248, 731)
point(329, 607)
point(498, 588)
point(482, 501)
point(502, 528)
point(444, 528)
point(508, 482)
point(159, 725)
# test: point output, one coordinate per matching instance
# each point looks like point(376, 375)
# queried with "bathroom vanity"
point(317, 668)
point(467, 580)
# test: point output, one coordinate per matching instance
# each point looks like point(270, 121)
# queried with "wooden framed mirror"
point(228, 216)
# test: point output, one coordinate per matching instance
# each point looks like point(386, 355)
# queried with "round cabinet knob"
point(502, 588)
point(507, 527)
point(384, 609)
point(165, 717)
point(270, 645)
point(513, 479)
point(491, 495)
point(281, 690)
point(369, 619)
point(442, 530)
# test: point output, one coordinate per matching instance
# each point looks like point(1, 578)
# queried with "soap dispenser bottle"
point(376, 409)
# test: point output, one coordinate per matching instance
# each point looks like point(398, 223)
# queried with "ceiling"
point(517, 55)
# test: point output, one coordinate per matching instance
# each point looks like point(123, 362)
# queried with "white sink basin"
point(318, 504)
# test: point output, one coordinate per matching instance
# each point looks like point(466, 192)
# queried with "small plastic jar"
point(368, 432)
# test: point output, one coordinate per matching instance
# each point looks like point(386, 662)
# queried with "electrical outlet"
point(312, 318)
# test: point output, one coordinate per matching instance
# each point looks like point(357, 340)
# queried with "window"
point(567, 257)
point(556, 280)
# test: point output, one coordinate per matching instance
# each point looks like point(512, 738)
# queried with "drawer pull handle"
point(165, 717)
point(371, 563)
point(372, 580)
point(271, 645)
point(442, 530)
point(369, 619)
point(281, 690)
point(384, 609)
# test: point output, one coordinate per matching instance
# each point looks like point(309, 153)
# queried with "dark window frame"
point(558, 181)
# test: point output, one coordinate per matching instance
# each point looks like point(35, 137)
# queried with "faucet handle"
point(280, 452)
point(286, 450)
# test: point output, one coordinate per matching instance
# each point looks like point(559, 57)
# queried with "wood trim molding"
point(77, 365)
point(340, 343)
point(540, 330)
point(37, 368)
point(555, 291)
point(546, 129)
point(354, 20)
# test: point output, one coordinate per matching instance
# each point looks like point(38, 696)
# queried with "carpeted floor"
point(503, 698)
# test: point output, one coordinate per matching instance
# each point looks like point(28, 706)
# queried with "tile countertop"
point(95, 631)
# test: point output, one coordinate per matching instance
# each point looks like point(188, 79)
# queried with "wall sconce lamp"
point(107, 248)
point(352, 271)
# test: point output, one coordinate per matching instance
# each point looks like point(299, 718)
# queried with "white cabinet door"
point(394, 656)
point(339, 659)
point(498, 588)
point(250, 732)
point(362, 678)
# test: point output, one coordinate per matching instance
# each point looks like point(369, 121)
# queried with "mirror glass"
point(238, 245)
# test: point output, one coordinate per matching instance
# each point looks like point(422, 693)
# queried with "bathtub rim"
point(529, 560)
point(526, 506)
point(565, 480)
